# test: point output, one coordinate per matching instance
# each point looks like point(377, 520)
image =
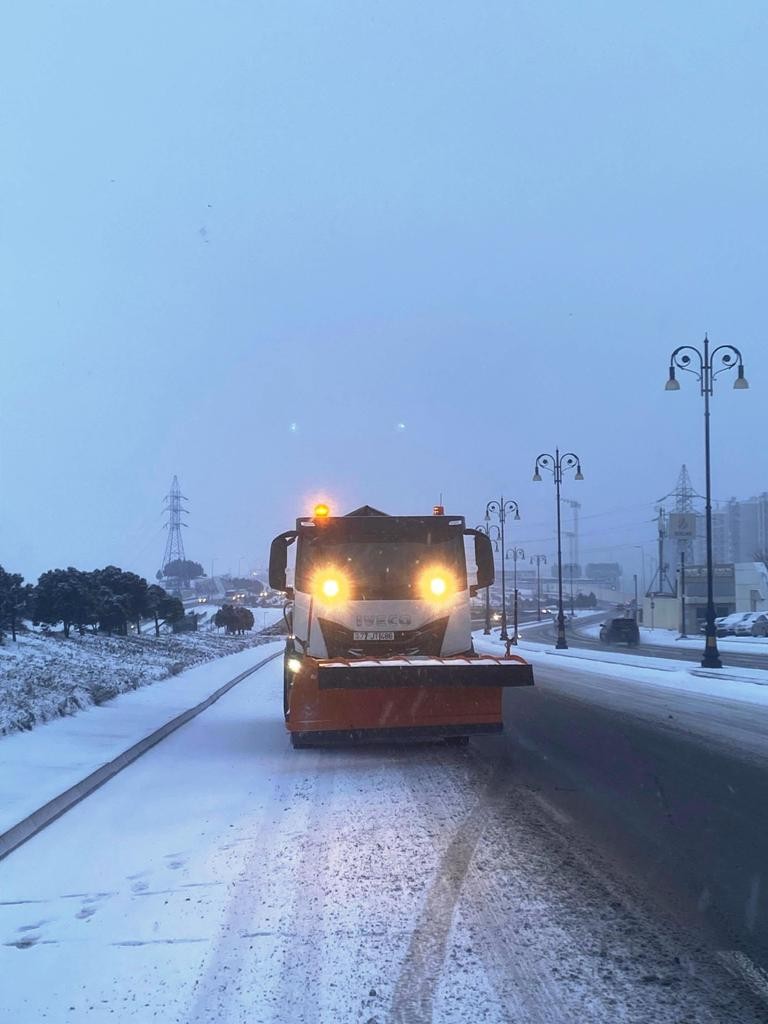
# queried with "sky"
point(375, 253)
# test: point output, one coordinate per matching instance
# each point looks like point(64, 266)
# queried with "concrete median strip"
point(29, 826)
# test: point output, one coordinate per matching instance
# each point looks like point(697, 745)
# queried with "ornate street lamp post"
point(515, 553)
point(538, 559)
point(556, 464)
point(502, 509)
point(487, 530)
point(703, 369)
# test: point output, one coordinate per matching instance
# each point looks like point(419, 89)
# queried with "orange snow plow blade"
point(376, 673)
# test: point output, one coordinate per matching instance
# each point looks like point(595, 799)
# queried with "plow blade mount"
point(371, 673)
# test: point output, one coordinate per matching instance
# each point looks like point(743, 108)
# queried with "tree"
point(183, 569)
point(225, 616)
point(120, 598)
point(160, 605)
point(14, 599)
point(66, 596)
point(236, 618)
point(244, 619)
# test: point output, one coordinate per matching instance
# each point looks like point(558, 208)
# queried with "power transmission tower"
point(685, 497)
point(174, 506)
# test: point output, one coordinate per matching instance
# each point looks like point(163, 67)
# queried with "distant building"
point(739, 531)
point(738, 587)
point(605, 572)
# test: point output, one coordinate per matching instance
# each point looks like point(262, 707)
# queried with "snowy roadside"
point(671, 638)
point(743, 685)
point(42, 678)
point(226, 877)
point(37, 766)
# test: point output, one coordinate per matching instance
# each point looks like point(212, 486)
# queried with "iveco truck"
point(380, 642)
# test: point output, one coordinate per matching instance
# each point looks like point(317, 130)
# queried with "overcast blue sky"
point(437, 238)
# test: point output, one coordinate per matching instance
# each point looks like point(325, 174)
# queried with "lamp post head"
point(672, 384)
point(517, 513)
point(579, 475)
point(741, 383)
point(536, 476)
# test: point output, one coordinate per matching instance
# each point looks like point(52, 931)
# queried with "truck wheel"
point(298, 743)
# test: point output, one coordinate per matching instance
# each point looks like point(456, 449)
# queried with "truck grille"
point(428, 641)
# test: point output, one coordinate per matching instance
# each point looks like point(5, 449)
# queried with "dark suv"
point(620, 631)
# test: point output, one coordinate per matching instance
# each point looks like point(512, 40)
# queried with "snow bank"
point(671, 638)
point(743, 685)
point(37, 766)
point(44, 677)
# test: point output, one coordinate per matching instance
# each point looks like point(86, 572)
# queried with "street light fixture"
point(556, 464)
point(703, 369)
point(538, 559)
point(487, 530)
point(502, 509)
point(515, 553)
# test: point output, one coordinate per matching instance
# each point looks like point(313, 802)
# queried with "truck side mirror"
point(278, 562)
point(483, 560)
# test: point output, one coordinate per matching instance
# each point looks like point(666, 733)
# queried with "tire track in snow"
point(420, 975)
point(525, 922)
point(265, 951)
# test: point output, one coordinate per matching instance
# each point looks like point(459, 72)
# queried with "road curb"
point(18, 834)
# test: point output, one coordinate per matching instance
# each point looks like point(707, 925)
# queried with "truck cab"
point(380, 639)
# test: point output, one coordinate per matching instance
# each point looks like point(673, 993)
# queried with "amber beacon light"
point(321, 511)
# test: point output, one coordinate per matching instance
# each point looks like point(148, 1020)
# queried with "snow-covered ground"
point(39, 765)
point(743, 684)
point(44, 677)
point(671, 638)
point(225, 877)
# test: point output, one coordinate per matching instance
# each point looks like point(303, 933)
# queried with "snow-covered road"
point(225, 877)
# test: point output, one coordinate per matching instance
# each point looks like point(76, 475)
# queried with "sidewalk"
point(37, 766)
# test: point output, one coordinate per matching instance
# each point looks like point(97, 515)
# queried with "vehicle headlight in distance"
point(294, 665)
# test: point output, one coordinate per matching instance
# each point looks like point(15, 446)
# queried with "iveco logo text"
point(374, 621)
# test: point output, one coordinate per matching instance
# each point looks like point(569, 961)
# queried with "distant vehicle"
point(754, 624)
point(726, 625)
point(620, 631)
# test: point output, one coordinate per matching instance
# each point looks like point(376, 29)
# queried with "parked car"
point(754, 624)
point(727, 625)
point(620, 631)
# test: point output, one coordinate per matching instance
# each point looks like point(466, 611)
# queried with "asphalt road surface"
point(670, 788)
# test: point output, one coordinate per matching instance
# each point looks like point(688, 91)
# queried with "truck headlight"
point(330, 586)
point(436, 584)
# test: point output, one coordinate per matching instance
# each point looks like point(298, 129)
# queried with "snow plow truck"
point(380, 642)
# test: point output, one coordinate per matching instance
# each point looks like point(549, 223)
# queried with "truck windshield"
point(381, 569)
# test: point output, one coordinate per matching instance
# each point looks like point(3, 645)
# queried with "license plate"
point(373, 636)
